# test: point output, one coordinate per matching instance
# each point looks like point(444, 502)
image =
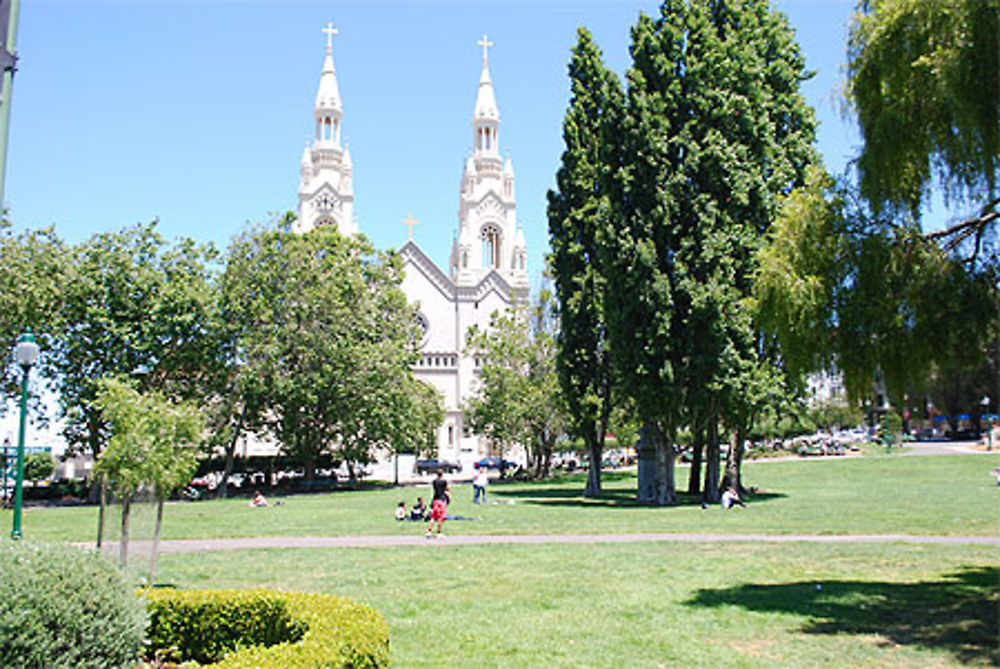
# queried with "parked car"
point(433, 466)
point(493, 462)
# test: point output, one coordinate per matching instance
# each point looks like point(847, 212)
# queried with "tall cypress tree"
point(578, 212)
point(714, 131)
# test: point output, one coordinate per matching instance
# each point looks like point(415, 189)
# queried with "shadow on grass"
point(958, 613)
point(610, 498)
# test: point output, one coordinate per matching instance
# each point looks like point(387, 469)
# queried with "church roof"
point(494, 281)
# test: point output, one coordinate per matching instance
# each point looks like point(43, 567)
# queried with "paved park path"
point(250, 543)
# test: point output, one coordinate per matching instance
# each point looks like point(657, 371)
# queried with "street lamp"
point(25, 354)
point(989, 422)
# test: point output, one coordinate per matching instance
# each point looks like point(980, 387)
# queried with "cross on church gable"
point(410, 222)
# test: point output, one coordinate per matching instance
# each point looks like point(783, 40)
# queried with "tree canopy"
point(579, 213)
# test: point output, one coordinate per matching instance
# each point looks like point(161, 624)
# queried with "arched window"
point(491, 246)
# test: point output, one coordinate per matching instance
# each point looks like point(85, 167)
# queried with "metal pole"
point(15, 533)
point(5, 95)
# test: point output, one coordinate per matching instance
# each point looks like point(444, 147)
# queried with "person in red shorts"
point(439, 504)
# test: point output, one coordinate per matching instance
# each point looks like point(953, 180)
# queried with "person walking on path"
point(479, 487)
point(439, 504)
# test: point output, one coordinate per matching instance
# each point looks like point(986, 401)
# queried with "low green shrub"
point(65, 607)
point(266, 628)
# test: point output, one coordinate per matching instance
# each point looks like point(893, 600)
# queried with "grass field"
point(649, 605)
point(871, 495)
point(640, 605)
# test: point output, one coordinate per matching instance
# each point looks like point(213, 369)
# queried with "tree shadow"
point(614, 498)
point(959, 613)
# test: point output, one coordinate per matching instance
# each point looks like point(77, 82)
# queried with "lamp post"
point(989, 422)
point(25, 353)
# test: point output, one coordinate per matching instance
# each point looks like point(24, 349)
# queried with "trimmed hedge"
point(66, 607)
point(266, 628)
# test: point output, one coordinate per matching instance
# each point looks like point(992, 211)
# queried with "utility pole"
point(9, 10)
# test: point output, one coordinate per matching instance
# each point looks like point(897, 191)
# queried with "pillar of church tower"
point(326, 191)
point(488, 236)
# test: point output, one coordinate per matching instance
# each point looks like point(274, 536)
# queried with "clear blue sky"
point(196, 112)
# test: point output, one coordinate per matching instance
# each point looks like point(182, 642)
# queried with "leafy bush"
point(38, 466)
point(266, 628)
point(65, 607)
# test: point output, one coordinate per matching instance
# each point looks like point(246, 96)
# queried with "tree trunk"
point(123, 542)
point(646, 452)
point(697, 448)
point(227, 470)
point(667, 459)
point(155, 553)
point(395, 468)
point(595, 452)
point(734, 462)
point(711, 493)
point(100, 513)
point(656, 476)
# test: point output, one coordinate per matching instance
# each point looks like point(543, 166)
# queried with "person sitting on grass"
point(401, 511)
point(731, 498)
point(419, 510)
point(257, 500)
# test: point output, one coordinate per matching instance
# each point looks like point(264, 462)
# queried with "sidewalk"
point(255, 543)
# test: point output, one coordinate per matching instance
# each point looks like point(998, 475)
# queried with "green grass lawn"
point(648, 605)
point(636, 605)
point(871, 495)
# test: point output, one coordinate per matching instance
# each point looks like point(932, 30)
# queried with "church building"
point(487, 269)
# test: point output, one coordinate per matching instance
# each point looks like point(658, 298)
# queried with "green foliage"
point(266, 628)
point(32, 276)
point(134, 307)
point(836, 289)
point(714, 131)
point(836, 413)
point(931, 68)
point(153, 443)
point(38, 466)
point(326, 338)
point(65, 607)
point(152, 439)
point(517, 399)
point(579, 214)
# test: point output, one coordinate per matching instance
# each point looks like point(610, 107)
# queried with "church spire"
point(488, 239)
point(326, 192)
point(486, 115)
point(328, 110)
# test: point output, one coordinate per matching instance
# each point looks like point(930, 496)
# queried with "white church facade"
point(487, 268)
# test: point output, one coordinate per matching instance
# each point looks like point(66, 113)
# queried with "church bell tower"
point(489, 238)
point(326, 192)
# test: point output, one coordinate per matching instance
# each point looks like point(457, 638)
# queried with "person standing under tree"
point(439, 504)
point(479, 487)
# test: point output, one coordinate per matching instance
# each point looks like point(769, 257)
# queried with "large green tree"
point(931, 68)
point(714, 130)
point(850, 278)
point(517, 399)
point(325, 337)
point(32, 276)
point(130, 306)
point(579, 211)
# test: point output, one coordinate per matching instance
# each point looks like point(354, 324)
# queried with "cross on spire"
point(410, 222)
point(486, 44)
point(329, 31)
